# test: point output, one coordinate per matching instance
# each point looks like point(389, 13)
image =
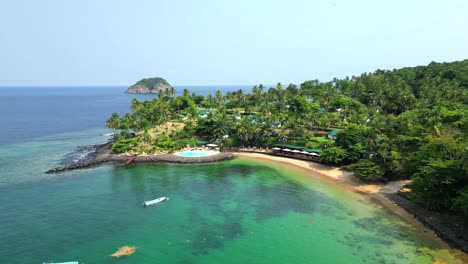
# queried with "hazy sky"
point(111, 42)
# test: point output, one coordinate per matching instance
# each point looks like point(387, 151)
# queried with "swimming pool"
point(194, 154)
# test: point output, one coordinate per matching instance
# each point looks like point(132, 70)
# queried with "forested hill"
point(399, 90)
point(389, 124)
point(417, 126)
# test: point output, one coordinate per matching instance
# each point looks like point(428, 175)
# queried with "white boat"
point(155, 201)
point(68, 262)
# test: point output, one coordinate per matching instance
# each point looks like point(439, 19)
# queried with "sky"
point(212, 42)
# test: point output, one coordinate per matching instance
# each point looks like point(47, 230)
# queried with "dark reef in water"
point(80, 154)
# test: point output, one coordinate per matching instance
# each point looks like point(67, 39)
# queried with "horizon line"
point(120, 85)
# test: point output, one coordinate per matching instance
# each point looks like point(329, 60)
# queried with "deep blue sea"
point(237, 211)
point(32, 112)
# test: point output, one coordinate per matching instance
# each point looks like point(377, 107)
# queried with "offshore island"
point(149, 85)
point(404, 126)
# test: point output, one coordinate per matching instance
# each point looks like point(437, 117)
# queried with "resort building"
point(332, 134)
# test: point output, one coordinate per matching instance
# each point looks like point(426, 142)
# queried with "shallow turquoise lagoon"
point(238, 211)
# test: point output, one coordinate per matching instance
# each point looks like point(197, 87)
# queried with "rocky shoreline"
point(104, 155)
point(447, 229)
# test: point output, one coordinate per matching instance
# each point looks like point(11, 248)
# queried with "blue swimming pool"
point(196, 153)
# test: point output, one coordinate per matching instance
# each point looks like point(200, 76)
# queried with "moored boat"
point(155, 201)
point(68, 262)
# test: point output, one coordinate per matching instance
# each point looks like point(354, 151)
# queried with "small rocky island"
point(149, 85)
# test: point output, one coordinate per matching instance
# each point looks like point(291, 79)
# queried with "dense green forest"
point(393, 124)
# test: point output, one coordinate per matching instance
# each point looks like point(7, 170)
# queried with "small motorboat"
point(155, 201)
point(67, 262)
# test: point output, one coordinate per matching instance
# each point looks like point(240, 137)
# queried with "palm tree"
point(128, 121)
point(210, 100)
point(244, 131)
point(160, 94)
point(255, 96)
point(221, 125)
point(165, 113)
point(240, 98)
point(113, 122)
point(186, 92)
point(219, 98)
point(265, 130)
point(136, 105)
point(170, 91)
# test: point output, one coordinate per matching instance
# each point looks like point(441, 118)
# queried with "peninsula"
point(149, 85)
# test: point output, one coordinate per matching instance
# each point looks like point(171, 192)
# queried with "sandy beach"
point(375, 191)
point(335, 174)
point(324, 171)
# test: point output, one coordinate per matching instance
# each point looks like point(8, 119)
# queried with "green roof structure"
point(322, 111)
point(334, 132)
point(288, 146)
point(202, 142)
point(313, 150)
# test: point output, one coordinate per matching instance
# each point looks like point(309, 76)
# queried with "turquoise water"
point(196, 153)
point(238, 211)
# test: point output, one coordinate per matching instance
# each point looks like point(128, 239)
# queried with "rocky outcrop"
point(451, 232)
point(75, 166)
point(104, 154)
point(149, 85)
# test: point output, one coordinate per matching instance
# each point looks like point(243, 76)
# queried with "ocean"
point(237, 211)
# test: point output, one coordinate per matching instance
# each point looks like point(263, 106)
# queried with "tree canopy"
point(152, 82)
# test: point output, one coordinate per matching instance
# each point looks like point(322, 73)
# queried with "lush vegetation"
point(151, 82)
point(393, 124)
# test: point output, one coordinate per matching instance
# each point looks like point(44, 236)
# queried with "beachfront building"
point(202, 113)
point(297, 152)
